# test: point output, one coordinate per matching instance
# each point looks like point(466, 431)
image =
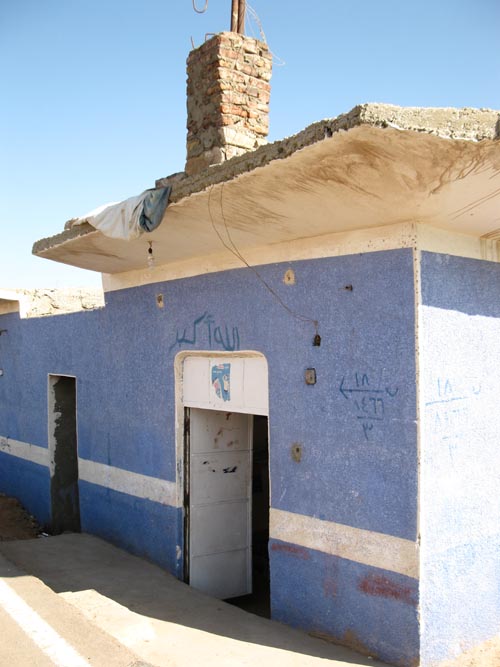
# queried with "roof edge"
point(466, 124)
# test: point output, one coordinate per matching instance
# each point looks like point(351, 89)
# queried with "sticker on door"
point(221, 381)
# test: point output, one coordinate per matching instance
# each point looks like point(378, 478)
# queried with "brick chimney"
point(227, 99)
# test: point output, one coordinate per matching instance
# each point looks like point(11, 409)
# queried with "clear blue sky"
point(93, 103)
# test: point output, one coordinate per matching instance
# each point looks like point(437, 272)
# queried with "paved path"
point(40, 629)
point(112, 608)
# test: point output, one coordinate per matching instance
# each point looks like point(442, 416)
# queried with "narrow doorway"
point(258, 601)
point(63, 454)
point(227, 506)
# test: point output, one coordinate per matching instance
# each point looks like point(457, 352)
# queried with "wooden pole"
point(234, 15)
point(241, 16)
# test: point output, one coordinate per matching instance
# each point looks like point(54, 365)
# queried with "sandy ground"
point(485, 655)
point(15, 522)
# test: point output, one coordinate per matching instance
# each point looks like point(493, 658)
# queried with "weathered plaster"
point(459, 343)
point(402, 235)
point(415, 235)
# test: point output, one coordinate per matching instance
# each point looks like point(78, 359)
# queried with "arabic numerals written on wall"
point(369, 399)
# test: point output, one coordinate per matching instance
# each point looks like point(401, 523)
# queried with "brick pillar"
point(227, 99)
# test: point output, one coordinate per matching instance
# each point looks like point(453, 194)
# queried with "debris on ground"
point(15, 522)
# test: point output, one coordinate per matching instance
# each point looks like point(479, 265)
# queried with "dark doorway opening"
point(63, 450)
point(258, 602)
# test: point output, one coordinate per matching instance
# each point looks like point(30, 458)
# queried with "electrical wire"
point(253, 14)
point(200, 11)
point(234, 250)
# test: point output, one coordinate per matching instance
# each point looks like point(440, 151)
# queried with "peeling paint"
point(330, 587)
point(292, 550)
point(380, 586)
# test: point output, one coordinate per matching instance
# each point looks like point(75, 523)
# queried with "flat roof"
point(375, 165)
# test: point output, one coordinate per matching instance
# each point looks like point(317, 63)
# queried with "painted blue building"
point(300, 396)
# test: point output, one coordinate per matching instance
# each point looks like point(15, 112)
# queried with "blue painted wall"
point(141, 526)
point(460, 510)
point(356, 425)
point(362, 607)
point(28, 482)
point(366, 333)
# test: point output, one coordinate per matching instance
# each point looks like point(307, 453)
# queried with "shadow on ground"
point(81, 562)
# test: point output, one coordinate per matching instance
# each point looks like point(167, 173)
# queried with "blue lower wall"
point(29, 483)
point(371, 610)
point(143, 527)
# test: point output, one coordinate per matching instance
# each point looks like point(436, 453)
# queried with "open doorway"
point(258, 601)
point(227, 506)
point(63, 453)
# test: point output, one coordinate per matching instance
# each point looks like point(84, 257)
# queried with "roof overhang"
point(379, 169)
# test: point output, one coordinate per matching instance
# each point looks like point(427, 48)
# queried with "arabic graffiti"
point(205, 329)
point(369, 400)
point(448, 412)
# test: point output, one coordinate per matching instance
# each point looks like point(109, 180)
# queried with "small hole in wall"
point(159, 300)
point(296, 452)
point(289, 277)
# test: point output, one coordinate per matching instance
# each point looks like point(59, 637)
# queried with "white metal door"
point(220, 479)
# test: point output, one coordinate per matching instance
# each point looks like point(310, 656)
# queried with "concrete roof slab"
point(377, 165)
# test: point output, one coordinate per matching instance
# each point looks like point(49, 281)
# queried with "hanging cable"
point(200, 11)
point(234, 250)
point(255, 17)
point(257, 20)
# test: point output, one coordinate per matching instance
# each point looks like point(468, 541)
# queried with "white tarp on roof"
point(128, 219)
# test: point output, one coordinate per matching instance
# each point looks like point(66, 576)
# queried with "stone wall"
point(43, 302)
point(228, 94)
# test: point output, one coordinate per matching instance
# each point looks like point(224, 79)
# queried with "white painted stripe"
point(23, 450)
point(39, 631)
point(118, 479)
point(125, 481)
point(362, 546)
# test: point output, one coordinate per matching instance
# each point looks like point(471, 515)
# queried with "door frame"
point(182, 441)
point(52, 380)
